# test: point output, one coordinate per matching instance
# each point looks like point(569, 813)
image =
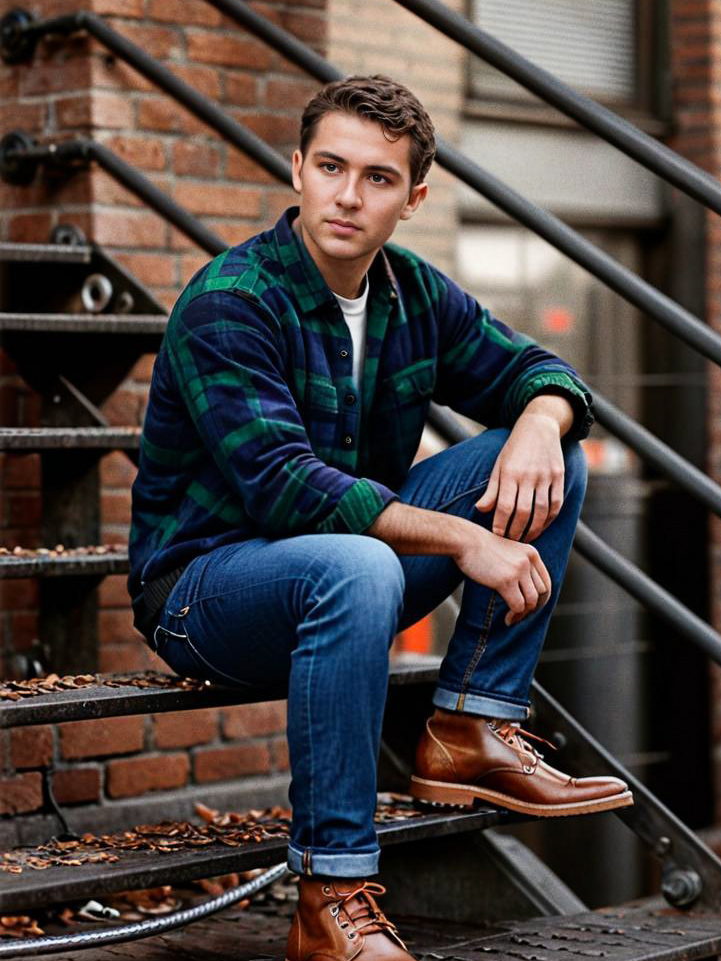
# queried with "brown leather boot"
point(461, 757)
point(340, 920)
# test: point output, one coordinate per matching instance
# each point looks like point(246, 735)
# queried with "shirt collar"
point(307, 281)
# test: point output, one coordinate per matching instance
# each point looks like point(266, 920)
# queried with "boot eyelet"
point(351, 935)
point(528, 769)
point(326, 889)
point(334, 911)
point(344, 924)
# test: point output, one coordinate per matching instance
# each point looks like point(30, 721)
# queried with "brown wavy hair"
point(378, 98)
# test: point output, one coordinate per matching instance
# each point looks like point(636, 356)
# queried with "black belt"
point(148, 606)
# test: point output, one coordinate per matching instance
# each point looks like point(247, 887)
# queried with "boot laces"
point(508, 730)
point(367, 910)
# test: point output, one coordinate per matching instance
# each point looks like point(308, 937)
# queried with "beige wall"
point(379, 36)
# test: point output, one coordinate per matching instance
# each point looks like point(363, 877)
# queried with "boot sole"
point(466, 795)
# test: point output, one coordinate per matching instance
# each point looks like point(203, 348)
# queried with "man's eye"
point(379, 179)
point(329, 167)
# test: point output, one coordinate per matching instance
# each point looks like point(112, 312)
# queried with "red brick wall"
point(696, 71)
point(74, 87)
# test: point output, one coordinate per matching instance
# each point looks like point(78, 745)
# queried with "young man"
point(281, 536)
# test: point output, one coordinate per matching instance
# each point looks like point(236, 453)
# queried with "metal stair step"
point(96, 562)
point(144, 869)
point(85, 323)
point(69, 438)
point(44, 253)
point(158, 692)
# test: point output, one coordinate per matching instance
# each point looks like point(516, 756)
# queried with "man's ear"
point(297, 164)
point(417, 195)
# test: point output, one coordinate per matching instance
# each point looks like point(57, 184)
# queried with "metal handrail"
point(619, 278)
point(658, 158)
point(618, 568)
point(69, 151)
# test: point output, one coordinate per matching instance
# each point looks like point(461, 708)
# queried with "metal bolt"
point(663, 846)
point(681, 887)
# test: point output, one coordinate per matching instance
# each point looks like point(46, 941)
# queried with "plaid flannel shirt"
point(254, 425)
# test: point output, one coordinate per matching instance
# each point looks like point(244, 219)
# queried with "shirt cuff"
point(357, 508)
point(562, 385)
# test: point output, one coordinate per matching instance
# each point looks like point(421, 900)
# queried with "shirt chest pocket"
point(321, 397)
point(410, 387)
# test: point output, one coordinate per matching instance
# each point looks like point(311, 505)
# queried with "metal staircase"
point(74, 360)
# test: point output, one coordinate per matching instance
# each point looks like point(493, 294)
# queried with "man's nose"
point(349, 194)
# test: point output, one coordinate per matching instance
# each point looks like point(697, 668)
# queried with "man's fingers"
point(488, 501)
point(523, 513)
point(541, 586)
point(539, 520)
point(505, 506)
point(556, 500)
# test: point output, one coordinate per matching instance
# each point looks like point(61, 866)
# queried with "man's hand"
point(516, 571)
point(526, 483)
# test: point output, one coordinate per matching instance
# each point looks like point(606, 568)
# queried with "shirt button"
point(350, 399)
point(348, 440)
point(344, 354)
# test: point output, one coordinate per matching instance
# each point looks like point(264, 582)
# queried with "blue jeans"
point(318, 612)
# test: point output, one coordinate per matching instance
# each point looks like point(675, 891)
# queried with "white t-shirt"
point(356, 316)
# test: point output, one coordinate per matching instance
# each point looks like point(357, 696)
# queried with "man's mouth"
point(343, 226)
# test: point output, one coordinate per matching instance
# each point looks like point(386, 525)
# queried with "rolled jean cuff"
point(471, 703)
point(340, 864)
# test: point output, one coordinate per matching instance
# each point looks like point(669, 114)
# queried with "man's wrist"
point(552, 407)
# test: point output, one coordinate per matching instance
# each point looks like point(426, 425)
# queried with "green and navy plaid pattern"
point(255, 427)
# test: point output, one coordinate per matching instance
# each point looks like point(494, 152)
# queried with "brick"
point(164, 43)
point(117, 471)
point(120, 8)
point(279, 754)
point(282, 94)
point(271, 128)
point(253, 720)
point(240, 89)
point(190, 264)
point(55, 75)
point(112, 591)
point(308, 26)
point(218, 199)
point(31, 746)
point(103, 109)
point(76, 785)
point(136, 656)
point(225, 763)
point(143, 370)
point(127, 229)
point(30, 228)
point(168, 116)
point(29, 117)
point(115, 508)
point(239, 166)
point(132, 778)
point(196, 158)
point(125, 407)
point(185, 728)
point(20, 471)
point(21, 794)
point(231, 233)
point(115, 625)
point(23, 510)
point(228, 51)
point(18, 594)
point(277, 201)
point(206, 80)
point(100, 738)
point(148, 153)
point(180, 11)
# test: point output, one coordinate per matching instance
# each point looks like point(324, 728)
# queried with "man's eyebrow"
point(383, 168)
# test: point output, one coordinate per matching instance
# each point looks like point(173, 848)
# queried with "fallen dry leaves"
point(52, 683)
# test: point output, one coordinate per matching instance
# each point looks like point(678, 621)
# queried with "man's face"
point(354, 186)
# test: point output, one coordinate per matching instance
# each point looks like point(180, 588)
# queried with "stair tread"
point(48, 438)
point(79, 562)
point(85, 323)
point(66, 253)
point(148, 868)
point(160, 692)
